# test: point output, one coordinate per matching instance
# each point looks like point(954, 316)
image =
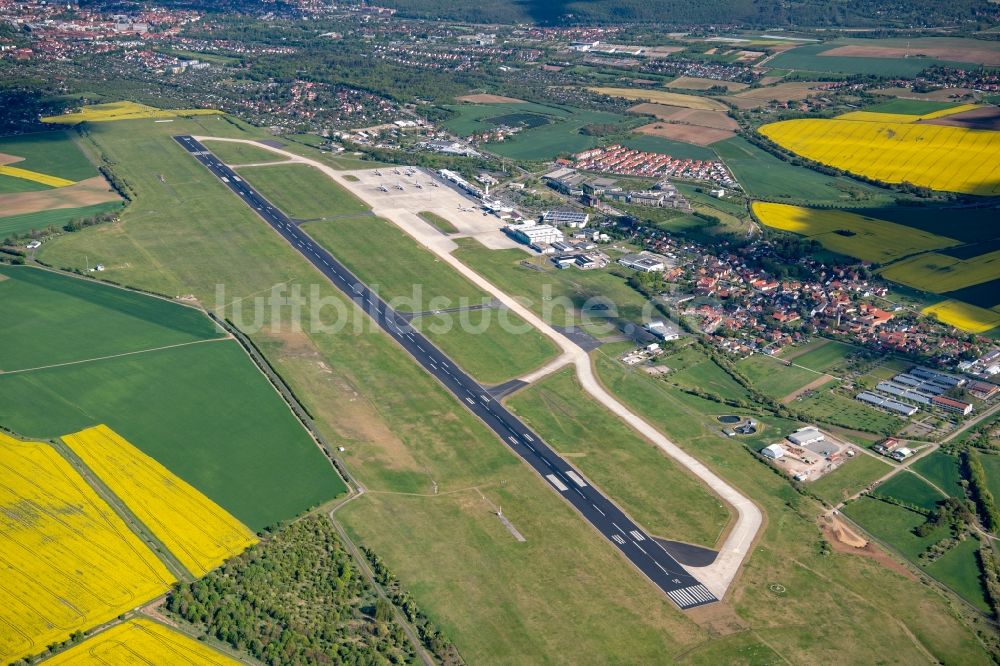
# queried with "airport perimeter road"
point(642, 550)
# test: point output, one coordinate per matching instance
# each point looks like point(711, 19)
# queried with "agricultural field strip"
point(140, 641)
point(196, 530)
point(105, 358)
point(749, 520)
point(70, 561)
point(34, 176)
point(659, 567)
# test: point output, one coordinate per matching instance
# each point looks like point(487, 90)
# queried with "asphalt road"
point(641, 549)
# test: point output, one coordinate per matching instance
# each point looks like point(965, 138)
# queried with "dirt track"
point(483, 98)
point(85, 193)
point(843, 539)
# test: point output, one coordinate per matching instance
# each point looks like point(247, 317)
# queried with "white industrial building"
point(805, 436)
point(643, 263)
point(531, 233)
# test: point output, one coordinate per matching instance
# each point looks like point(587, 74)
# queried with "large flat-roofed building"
point(950, 405)
point(643, 263)
point(937, 377)
point(570, 218)
point(805, 436)
point(533, 234)
point(887, 403)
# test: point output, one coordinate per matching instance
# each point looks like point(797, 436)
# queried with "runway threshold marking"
point(554, 480)
point(576, 478)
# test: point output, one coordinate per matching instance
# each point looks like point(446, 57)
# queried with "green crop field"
point(708, 376)
point(959, 570)
point(765, 176)
point(11, 185)
point(911, 489)
point(894, 525)
point(658, 144)
point(849, 478)
point(20, 224)
point(51, 318)
point(242, 153)
point(942, 470)
point(915, 107)
point(302, 191)
point(491, 345)
point(826, 357)
point(654, 490)
point(203, 410)
point(772, 377)
point(809, 58)
point(991, 464)
point(557, 130)
point(51, 153)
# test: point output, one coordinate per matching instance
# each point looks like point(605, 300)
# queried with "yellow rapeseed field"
point(122, 111)
point(964, 316)
point(140, 641)
point(34, 176)
point(199, 533)
point(878, 241)
point(939, 273)
point(67, 561)
point(953, 159)
point(663, 97)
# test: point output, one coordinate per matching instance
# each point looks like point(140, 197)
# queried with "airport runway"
point(641, 549)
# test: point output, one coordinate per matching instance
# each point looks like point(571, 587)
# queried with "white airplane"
point(378, 173)
point(418, 186)
point(399, 186)
point(383, 188)
point(434, 184)
point(396, 171)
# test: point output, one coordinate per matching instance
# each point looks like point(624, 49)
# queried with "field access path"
point(685, 586)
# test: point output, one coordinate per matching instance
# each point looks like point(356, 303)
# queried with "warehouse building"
point(942, 378)
point(534, 234)
point(570, 218)
point(644, 263)
point(805, 436)
point(904, 392)
point(887, 403)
